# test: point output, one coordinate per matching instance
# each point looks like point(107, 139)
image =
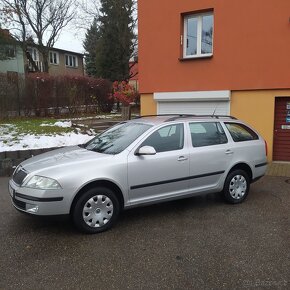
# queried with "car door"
point(210, 156)
point(164, 174)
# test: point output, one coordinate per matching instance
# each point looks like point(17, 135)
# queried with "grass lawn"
point(27, 132)
point(39, 126)
point(32, 133)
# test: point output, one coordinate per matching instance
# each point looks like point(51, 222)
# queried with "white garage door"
point(198, 108)
point(199, 103)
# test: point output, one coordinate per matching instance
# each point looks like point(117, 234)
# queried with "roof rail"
point(201, 116)
point(174, 117)
point(163, 115)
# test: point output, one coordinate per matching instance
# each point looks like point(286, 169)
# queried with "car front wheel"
point(236, 186)
point(96, 210)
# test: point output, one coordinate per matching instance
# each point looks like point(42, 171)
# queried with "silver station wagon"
point(139, 162)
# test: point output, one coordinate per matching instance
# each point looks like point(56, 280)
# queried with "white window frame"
point(67, 64)
point(34, 53)
point(56, 57)
point(199, 35)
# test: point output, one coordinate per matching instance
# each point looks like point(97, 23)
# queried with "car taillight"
point(266, 148)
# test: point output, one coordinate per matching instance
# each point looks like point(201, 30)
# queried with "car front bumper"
point(38, 202)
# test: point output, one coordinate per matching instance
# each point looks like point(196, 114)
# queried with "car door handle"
point(182, 158)
point(228, 152)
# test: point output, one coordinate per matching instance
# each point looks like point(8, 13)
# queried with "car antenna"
point(214, 111)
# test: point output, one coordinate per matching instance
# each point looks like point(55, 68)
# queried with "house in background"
point(14, 54)
point(61, 62)
point(228, 57)
point(15, 61)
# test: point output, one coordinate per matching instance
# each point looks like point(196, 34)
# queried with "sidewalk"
point(279, 169)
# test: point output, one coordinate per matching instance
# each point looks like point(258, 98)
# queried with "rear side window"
point(207, 133)
point(240, 132)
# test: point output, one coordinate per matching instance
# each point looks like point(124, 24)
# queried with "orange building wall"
point(258, 109)
point(148, 105)
point(251, 46)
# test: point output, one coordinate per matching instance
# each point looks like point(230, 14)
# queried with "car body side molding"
point(175, 180)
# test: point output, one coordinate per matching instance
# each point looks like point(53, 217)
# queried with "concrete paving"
point(196, 243)
point(279, 169)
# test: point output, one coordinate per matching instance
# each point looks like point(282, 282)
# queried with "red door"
point(281, 148)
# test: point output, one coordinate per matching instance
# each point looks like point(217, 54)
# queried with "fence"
point(45, 95)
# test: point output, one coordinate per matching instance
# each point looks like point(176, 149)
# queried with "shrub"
point(56, 95)
point(125, 93)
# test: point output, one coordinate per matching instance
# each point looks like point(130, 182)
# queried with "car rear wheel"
point(236, 186)
point(96, 210)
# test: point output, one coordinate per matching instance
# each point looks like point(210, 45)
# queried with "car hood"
point(62, 157)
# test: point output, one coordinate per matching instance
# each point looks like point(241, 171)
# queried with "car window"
point(207, 133)
point(117, 138)
point(167, 131)
point(168, 138)
point(240, 132)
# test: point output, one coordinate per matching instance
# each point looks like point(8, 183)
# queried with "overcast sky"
point(72, 36)
point(71, 39)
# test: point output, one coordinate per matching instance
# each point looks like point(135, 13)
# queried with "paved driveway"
point(198, 243)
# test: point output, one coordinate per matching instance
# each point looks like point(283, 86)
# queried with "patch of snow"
point(62, 124)
point(11, 140)
point(66, 124)
point(97, 117)
point(40, 141)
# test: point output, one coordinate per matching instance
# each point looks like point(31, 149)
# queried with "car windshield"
point(117, 138)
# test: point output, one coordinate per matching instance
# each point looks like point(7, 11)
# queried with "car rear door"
point(210, 156)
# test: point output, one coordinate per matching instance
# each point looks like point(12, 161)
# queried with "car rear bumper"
point(259, 170)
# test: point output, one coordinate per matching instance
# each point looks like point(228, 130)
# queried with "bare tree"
point(37, 22)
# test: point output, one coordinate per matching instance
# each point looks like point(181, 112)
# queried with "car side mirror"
point(145, 150)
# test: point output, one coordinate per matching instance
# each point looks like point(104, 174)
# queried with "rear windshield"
point(241, 132)
point(117, 138)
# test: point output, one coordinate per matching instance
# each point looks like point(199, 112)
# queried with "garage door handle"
point(228, 152)
point(182, 158)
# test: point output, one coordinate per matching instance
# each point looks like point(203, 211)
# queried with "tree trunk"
point(45, 60)
point(31, 61)
point(126, 112)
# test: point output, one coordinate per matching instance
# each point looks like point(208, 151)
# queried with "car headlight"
point(40, 182)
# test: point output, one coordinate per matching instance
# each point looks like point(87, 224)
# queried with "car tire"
point(236, 187)
point(96, 210)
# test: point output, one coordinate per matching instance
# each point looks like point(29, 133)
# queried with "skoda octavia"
point(140, 162)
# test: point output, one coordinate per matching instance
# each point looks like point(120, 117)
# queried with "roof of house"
point(67, 51)
point(5, 32)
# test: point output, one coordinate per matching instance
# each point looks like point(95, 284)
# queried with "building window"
point(198, 35)
point(33, 53)
point(71, 60)
point(10, 51)
point(53, 57)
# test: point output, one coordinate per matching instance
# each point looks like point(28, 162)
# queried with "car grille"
point(19, 176)
point(19, 204)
